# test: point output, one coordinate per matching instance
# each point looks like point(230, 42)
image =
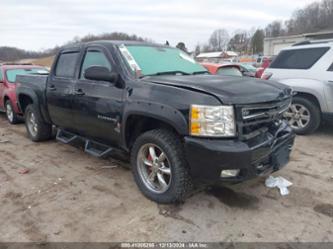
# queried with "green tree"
point(182, 46)
point(257, 41)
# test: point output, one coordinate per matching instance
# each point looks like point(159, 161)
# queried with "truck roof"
point(107, 43)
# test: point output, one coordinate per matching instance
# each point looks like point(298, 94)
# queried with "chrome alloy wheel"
point(32, 124)
point(154, 168)
point(9, 112)
point(298, 116)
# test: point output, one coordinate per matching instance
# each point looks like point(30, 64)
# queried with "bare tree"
point(312, 18)
point(197, 50)
point(240, 42)
point(219, 40)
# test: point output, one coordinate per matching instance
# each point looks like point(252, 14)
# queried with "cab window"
point(1, 77)
point(66, 65)
point(94, 58)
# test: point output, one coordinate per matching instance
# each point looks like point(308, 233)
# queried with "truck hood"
point(229, 90)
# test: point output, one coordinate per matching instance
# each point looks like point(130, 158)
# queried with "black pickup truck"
point(179, 124)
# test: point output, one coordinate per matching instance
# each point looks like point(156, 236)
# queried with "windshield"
point(152, 60)
point(229, 71)
point(12, 73)
point(249, 67)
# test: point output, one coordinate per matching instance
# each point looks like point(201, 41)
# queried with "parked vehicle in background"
point(179, 124)
point(265, 64)
point(308, 69)
point(8, 73)
point(247, 69)
point(231, 69)
point(223, 69)
point(260, 61)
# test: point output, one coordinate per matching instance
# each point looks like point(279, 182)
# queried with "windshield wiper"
point(200, 72)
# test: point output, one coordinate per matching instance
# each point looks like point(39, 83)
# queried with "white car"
point(307, 67)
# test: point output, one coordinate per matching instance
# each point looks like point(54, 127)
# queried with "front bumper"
point(261, 155)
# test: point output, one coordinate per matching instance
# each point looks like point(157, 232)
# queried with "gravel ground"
point(68, 195)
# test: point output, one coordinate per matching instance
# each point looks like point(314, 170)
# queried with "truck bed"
point(33, 80)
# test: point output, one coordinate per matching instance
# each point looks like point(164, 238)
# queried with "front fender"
point(309, 86)
point(162, 112)
point(159, 111)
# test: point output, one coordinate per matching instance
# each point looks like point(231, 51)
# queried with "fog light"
point(229, 173)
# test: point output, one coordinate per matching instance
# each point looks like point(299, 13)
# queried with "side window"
point(1, 77)
point(330, 68)
point(298, 58)
point(94, 58)
point(66, 65)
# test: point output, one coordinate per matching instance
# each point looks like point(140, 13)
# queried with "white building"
point(273, 45)
point(217, 57)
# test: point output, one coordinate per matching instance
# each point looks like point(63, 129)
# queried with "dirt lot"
point(70, 196)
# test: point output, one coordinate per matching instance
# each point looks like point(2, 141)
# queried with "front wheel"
point(159, 167)
point(10, 113)
point(37, 129)
point(303, 116)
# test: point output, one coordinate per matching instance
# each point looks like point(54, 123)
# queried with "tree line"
point(14, 54)
point(312, 18)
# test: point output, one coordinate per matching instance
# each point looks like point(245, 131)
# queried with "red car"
point(265, 64)
point(8, 101)
point(220, 69)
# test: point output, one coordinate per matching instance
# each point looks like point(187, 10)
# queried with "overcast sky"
point(41, 24)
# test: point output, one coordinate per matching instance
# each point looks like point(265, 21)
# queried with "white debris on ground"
point(278, 182)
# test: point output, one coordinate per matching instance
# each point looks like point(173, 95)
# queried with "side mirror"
point(99, 73)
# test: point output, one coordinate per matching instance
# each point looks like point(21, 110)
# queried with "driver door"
point(97, 104)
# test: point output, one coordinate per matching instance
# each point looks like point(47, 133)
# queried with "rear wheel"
point(303, 116)
point(159, 167)
point(37, 129)
point(10, 113)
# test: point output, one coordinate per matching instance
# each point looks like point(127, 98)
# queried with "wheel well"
point(24, 101)
point(137, 125)
point(310, 97)
point(5, 100)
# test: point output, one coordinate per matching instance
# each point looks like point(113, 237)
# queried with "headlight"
point(212, 121)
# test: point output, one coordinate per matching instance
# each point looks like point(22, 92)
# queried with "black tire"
point(181, 183)
point(315, 115)
point(43, 131)
point(12, 117)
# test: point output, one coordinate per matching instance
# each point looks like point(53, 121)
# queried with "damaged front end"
point(263, 145)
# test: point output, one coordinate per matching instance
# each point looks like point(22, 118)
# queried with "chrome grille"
point(265, 111)
point(254, 120)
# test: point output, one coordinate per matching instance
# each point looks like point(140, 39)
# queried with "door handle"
point(52, 88)
point(79, 92)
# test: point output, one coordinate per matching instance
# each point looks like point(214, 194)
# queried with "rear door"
point(60, 89)
point(98, 104)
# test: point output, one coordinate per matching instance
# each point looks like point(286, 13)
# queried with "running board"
point(65, 136)
point(91, 147)
point(97, 149)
